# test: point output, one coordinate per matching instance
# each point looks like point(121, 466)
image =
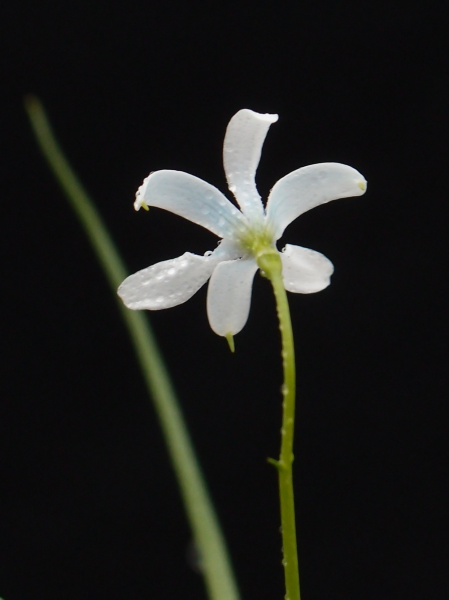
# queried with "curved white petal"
point(193, 199)
point(226, 250)
point(167, 283)
point(305, 271)
point(229, 295)
point(242, 147)
point(308, 187)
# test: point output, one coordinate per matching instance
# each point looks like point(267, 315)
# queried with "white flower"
point(245, 233)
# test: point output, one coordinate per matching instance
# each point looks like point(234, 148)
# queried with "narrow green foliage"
point(216, 567)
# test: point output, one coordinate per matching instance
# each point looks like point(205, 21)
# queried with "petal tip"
point(140, 203)
point(268, 117)
point(363, 185)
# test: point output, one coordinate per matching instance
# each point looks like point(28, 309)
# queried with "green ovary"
point(258, 243)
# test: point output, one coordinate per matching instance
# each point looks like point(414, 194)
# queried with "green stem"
point(216, 566)
point(270, 263)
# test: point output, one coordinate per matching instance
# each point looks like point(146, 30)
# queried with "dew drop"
point(284, 389)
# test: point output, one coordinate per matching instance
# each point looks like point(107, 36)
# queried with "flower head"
point(246, 234)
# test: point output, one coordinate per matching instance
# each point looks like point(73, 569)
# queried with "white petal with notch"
point(193, 199)
point(305, 188)
point(229, 295)
point(305, 271)
point(242, 148)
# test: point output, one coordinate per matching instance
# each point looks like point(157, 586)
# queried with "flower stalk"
point(270, 264)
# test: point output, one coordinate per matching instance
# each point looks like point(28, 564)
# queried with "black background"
point(89, 506)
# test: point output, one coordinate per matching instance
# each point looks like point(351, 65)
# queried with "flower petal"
point(242, 147)
point(193, 199)
point(305, 271)
point(308, 187)
point(167, 283)
point(229, 295)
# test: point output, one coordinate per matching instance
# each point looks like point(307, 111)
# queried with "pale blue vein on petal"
point(195, 200)
point(242, 149)
point(308, 187)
